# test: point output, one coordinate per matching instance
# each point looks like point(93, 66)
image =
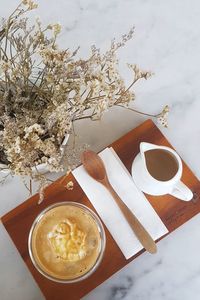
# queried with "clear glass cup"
point(101, 234)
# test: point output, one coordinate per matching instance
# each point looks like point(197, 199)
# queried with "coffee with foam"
point(66, 242)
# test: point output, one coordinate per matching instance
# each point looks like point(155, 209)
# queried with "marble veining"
point(120, 291)
point(167, 42)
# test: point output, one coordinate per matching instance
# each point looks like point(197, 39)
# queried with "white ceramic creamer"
point(150, 185)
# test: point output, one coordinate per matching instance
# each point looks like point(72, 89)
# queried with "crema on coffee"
point(66, 242)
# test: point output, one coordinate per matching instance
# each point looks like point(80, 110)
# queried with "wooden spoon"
point(94, 166)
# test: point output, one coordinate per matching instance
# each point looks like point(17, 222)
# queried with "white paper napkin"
point(108, 210)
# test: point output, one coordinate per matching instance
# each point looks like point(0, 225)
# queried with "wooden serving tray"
point(172, 211)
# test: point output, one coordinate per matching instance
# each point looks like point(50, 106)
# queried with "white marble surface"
point(167, 41)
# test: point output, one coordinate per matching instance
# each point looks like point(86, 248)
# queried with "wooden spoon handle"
point(141, 233)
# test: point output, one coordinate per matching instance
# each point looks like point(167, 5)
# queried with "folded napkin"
point(108, 210)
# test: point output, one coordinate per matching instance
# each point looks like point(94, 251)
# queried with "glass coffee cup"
point(66, 242)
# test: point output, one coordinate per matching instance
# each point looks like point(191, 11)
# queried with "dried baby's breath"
point(44, 90)
point(162, 118)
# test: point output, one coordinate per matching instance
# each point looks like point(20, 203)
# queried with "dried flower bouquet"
point(43, 90)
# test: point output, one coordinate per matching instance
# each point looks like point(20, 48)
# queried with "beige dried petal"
point(70, 185)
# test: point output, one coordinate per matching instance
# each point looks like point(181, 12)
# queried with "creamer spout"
point(147, 146)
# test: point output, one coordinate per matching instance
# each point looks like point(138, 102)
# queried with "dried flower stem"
point(139, 112)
